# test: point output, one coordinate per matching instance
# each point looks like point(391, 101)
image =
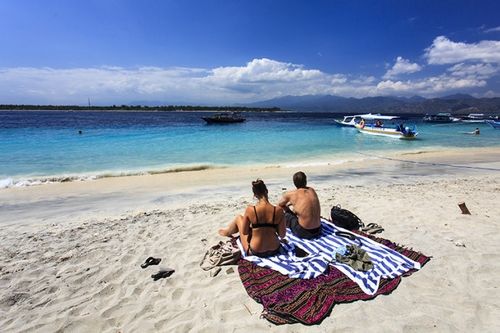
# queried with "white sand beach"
point(70, 253)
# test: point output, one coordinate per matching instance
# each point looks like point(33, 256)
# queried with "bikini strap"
point(256, 217)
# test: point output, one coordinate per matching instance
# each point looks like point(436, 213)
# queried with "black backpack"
point(345, 219)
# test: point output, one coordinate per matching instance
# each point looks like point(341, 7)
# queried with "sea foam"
point(39, 180)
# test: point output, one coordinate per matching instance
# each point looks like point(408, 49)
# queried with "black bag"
point(345, 219)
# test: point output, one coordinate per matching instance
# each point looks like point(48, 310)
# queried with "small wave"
point(309, 164)
point(184, 169)
point(7, 182)
point(329, 162)
point(40, 180)
point(419, 152)
point(23, 182)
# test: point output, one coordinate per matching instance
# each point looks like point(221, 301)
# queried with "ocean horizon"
point(46, 146)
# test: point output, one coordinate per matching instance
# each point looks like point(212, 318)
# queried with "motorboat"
point(494, 123)
point(441, 117)
point(474, 118)
point(351, 121)
point(376, 125)
point(224, 118)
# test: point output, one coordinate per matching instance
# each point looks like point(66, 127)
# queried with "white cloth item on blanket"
point(387, 263)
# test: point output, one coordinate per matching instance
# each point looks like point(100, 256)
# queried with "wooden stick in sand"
point(463, 208)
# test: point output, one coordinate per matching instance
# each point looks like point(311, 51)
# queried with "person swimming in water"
point(474, 132)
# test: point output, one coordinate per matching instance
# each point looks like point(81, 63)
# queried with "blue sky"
point(234, 51)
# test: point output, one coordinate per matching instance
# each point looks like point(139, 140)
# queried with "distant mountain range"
point(456, 104)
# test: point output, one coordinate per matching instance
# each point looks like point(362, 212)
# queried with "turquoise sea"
point(43, 146)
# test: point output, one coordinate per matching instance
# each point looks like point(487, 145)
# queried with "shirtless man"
point(304, 220)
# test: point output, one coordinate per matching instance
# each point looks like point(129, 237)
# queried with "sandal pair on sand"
point(163, 273)
point(372, 228)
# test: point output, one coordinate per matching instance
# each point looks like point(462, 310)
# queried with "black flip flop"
point(163, 274)
point(369, 226)
point(372, 228)
point(151, 261)
point(348, 236)
point(345, 234)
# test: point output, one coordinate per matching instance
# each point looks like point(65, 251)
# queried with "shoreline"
point(325, 160)
point(115, 196)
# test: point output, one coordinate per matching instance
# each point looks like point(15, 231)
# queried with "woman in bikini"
point(261, 227)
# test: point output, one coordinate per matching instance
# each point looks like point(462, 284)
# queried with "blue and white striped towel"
point(387, 263)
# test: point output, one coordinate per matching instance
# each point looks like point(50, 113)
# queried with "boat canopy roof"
point(363, 115)
point(378, 116)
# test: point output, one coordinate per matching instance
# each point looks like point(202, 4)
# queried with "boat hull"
point(388, 132)
point(438, 121)
point(473, 120)
point(222, 121)
point(494, 124)
point(343, 124)
point(442, 117)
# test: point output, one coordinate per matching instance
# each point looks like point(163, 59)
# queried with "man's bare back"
point(306, 206)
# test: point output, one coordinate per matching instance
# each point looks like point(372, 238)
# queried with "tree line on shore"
point(30, 107)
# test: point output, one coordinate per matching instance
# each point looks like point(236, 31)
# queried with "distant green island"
point(457, 104)
point(29, 107)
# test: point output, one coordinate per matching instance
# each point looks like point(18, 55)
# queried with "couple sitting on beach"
point(263, 227)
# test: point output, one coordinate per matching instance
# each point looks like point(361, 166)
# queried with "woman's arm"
point(246, 221)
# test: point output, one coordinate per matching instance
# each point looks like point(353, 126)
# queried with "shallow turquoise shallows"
point(47, 146)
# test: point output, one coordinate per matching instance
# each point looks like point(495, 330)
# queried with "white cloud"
point(402, 66)
point(430, 86)
point(261, 70)
point(363, 80)
point(259, 79)
point(394, 86)
point(106, 84)
point(338, 79)
point(480, 70)
point(256, 80)
point(445, 51)
point(490, 94)
point(266, 78)
point(496, 29)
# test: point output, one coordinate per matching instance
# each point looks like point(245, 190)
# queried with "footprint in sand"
point(177, 294)
point(126, 259)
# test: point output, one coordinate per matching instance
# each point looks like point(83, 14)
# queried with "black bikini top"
point(257, 225)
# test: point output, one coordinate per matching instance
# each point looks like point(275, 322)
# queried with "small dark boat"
point(224, 118)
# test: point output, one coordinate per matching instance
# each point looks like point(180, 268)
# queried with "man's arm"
point(283, 203)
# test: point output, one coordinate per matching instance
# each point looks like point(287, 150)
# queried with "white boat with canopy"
point(351, 121)
point(377, 125)
point(474, 118)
